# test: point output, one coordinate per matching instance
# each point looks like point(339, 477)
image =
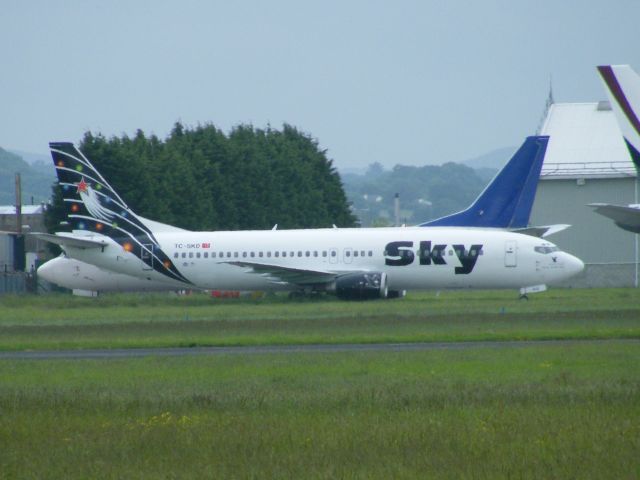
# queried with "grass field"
point(548, 412)
point(61, 322)
point(552, 411)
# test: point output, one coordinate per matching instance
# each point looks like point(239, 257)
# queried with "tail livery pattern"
point(623, 89)
point(92, 205)
point(507, 201)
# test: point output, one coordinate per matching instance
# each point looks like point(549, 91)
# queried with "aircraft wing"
point(627, 217)
point(71, 240)
point(296, 276)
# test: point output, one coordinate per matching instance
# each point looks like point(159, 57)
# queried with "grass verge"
point(129, 321)
point(545, 412)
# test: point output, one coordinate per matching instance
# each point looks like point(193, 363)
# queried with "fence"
point(19, 283)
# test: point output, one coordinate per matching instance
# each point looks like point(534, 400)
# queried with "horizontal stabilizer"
point(70, 240)
point(542, 231)
point(625, 216)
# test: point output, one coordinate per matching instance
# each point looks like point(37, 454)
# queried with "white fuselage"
point(413, 258)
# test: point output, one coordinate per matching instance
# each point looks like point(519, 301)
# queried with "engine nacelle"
point(362, 286)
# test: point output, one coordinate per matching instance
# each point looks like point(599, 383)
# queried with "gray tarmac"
point(123, 353)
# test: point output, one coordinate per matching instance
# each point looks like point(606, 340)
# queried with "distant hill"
point(494, 159)
point(426, 192)
point(36, 179)
point(32, 158)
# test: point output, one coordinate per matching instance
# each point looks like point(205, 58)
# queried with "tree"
point(201, 179)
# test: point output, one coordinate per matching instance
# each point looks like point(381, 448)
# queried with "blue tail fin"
point(507, 201)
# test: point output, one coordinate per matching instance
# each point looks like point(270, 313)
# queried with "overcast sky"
point(409, 82)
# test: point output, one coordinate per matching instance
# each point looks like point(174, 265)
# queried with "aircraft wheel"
point(396, 294)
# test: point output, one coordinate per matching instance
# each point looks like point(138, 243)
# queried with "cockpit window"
point(546, 249)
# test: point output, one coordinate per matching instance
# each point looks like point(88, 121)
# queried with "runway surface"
point(120, 353)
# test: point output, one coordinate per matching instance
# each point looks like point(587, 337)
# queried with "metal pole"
point(396, 209)
point(635, 283)
point(18, 205)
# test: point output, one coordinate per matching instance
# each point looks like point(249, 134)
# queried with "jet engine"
point(361, 286)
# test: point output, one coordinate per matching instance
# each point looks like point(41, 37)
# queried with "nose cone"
point(574, 265)
point(48, 270)
point(563, 267)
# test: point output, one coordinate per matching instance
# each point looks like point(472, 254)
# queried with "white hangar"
point(586, 162)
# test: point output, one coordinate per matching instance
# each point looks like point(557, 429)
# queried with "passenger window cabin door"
point(511, 253)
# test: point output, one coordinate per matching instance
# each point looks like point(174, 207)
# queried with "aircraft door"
point(147, 256)
point(511, 253)
point(333, 255)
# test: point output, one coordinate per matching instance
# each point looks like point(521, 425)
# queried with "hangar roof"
point(585, 143)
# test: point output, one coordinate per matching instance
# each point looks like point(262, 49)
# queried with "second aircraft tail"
point(623, 89)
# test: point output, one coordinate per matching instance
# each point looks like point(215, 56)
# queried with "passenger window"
point(347, 253)
point(252, 254)
point(190, 254)
point(370, 253)
point(244, 254)
point(269, 254)
point(324, 253)
point(184, 255)
point(307, 253)
point(276, 254)
point(175, 255)
point(213, 254)
point(333, 253)
point(228, 254)
point(235, 254)
point(260, 254)
point(315, 254)
point(299, 254)
point(197, 254)
point(206, 254)
point(284, 254)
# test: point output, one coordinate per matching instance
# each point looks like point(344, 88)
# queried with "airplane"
point(623, 89)
point(352, 263)
point(506, 202)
